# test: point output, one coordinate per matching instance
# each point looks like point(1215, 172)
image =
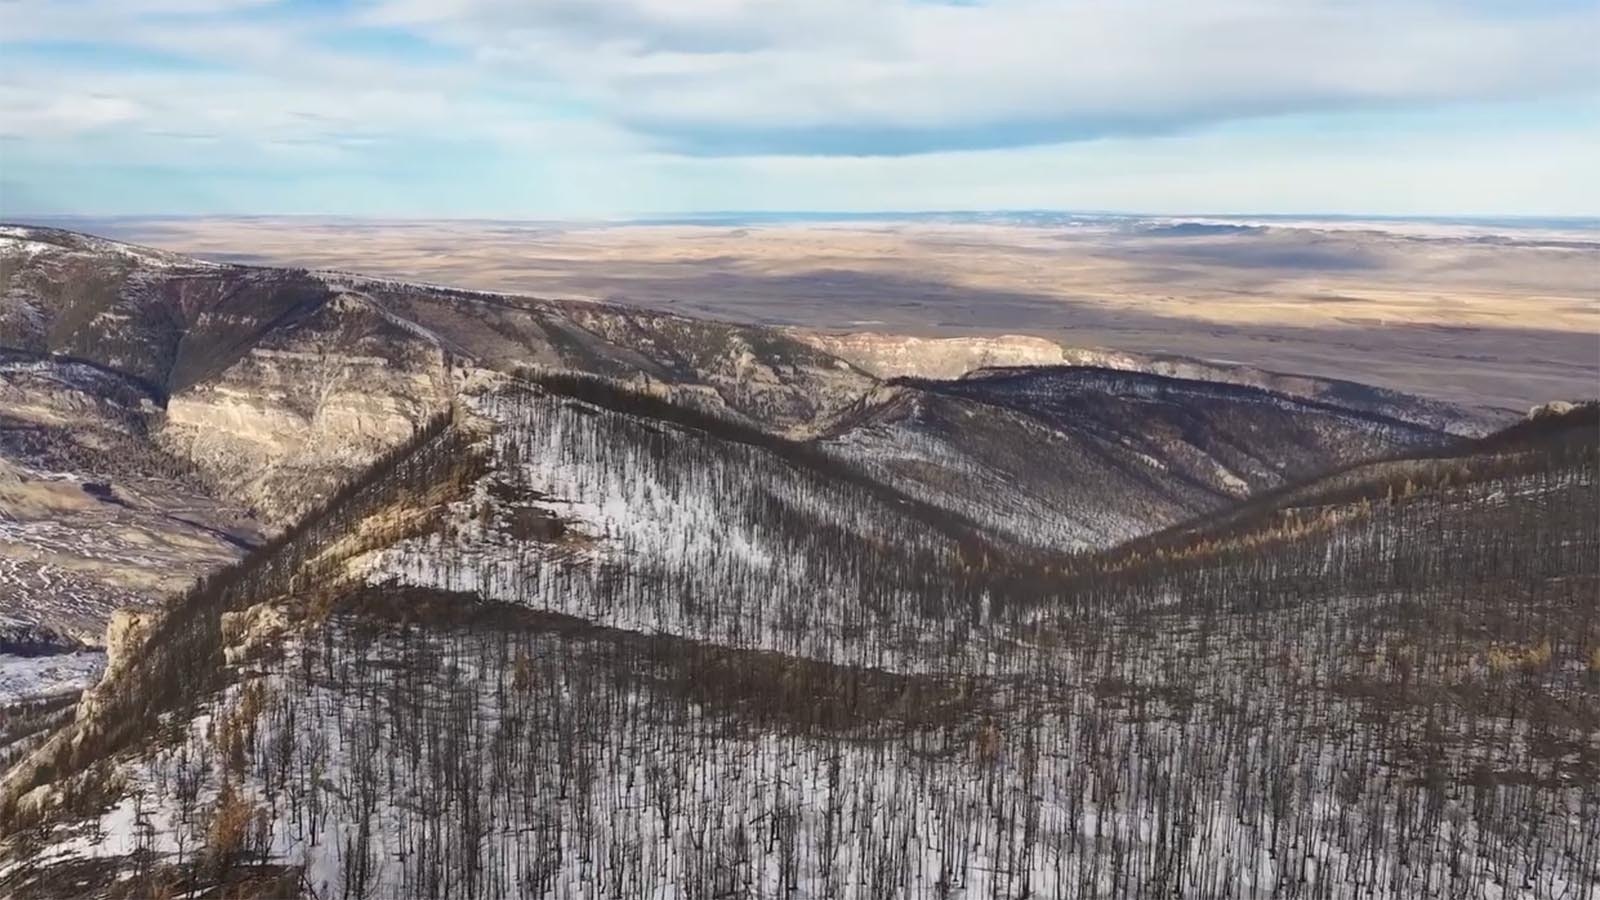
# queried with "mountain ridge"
point(269, 387)
point(1045, 629)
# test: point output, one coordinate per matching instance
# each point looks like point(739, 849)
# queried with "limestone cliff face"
point(897, 356)
point(282, 426)
point(1552, 409)
point(125, 635)
point(247, 630)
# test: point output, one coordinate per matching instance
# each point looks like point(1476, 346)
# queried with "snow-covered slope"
point(658, 502)
point(1075, 458)
point(508, 597)
point(1256, 712)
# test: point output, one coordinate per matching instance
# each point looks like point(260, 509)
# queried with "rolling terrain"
point(502, 596)
point(160, 414)
point(1496, 315)
point(425, 690)
point(1075, 457)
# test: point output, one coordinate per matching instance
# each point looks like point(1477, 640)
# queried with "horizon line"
point(1585, 221)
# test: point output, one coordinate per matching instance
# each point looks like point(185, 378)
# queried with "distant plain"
point(1476, 315)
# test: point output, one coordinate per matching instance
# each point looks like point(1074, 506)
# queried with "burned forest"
point(582, 630)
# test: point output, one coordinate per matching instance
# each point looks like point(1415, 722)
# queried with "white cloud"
point(770, 75)
point(1397, 170)
point(842, 77)
point(40, 114)
point(613, 106)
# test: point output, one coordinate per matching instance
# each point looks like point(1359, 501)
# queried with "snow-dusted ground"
point(70, 554)
point(69, 573)
point(664, 518)
point(1287, 724)
point(475, 764)
point(930, 466)
point(36, 593)
point(30, 241)
point(26, 677)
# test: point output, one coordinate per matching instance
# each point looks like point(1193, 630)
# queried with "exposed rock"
point(283, 425)
point(125, 634)
point(247, 631)
point(1553, 408)
point(896, 356)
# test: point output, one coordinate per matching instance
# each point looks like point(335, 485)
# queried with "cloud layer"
point(870, 77)
point(545, 88)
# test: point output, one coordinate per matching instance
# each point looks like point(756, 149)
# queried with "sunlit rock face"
point(172, 413)
point(895, 356)
point(309, 405)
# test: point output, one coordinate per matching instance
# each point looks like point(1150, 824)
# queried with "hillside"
point(412, 591)
point(93, 515)
point(1078, 457)
point(161, 415)
point(269, 377)
point(892, 356)
point(580, 640)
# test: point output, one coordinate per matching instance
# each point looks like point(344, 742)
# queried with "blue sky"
point(616, 108)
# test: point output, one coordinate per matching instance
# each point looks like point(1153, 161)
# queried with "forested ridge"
point(572, 640)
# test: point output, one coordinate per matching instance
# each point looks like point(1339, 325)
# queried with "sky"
point(619, 108)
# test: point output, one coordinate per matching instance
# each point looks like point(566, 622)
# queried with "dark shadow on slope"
point(1507, 366)
point(1542, 443)
point(761, 689)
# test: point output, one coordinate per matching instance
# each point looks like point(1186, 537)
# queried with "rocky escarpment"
point(897, 356)
point(308, 405)
point(27, 787)
point(904, 356)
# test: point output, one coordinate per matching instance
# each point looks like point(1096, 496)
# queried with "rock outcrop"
point(310, 404)
point(1552, 409)
point(898, 356)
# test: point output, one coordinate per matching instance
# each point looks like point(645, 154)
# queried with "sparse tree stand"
point(1385, 692)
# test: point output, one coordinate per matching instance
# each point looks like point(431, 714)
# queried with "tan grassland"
point(1507, 319)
